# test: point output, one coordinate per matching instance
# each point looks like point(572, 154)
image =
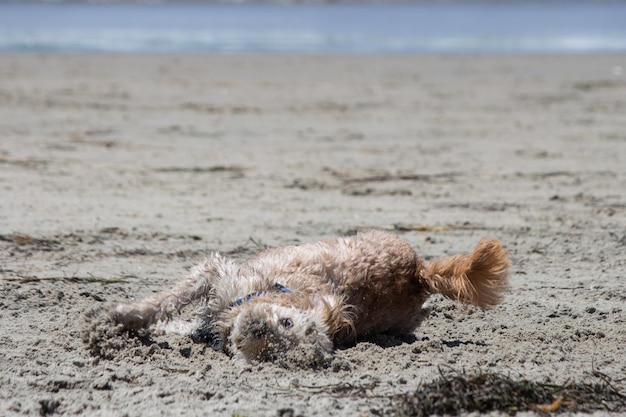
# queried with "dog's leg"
point(162, 306)
point(479, 278)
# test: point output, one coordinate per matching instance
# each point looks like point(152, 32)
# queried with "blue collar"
point(276, 288)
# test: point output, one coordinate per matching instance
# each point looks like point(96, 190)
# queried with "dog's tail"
point(479, 278)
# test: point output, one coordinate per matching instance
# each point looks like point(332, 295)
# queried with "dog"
point(327, 294)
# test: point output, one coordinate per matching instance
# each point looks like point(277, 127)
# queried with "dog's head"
point(263, 331)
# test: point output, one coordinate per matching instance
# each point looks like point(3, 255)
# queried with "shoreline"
point(449, 27)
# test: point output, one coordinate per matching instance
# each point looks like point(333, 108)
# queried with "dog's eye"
point(286, 323)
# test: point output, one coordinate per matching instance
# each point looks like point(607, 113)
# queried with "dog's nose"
point(258, 328)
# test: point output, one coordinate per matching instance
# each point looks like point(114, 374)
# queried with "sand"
point(119, 173)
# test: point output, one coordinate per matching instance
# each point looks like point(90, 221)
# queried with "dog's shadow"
point(387, 341)
point(457, 343)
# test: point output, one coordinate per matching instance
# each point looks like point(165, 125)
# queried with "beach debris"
point(456, 392)
point(400, 227)
point(548, 408)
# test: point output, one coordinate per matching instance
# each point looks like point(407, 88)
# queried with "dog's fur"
point(326, 293)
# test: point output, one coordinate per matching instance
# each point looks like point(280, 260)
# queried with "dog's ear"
point(321, 308)
point(337, 316)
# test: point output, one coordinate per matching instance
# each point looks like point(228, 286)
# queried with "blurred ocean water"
point(425, 27)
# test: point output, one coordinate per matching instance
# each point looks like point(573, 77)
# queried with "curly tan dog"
point(326, 293)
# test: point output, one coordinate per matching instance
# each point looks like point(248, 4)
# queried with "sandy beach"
point(118, 173)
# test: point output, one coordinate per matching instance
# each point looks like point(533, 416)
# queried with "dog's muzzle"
point(258, 329)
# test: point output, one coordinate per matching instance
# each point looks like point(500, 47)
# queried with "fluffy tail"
point(479, 278)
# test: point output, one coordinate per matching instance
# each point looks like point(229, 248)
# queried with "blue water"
point(424, 27)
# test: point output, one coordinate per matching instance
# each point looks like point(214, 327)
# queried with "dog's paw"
point(132, 317)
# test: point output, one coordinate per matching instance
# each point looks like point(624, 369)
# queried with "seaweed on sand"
point(455, 392)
